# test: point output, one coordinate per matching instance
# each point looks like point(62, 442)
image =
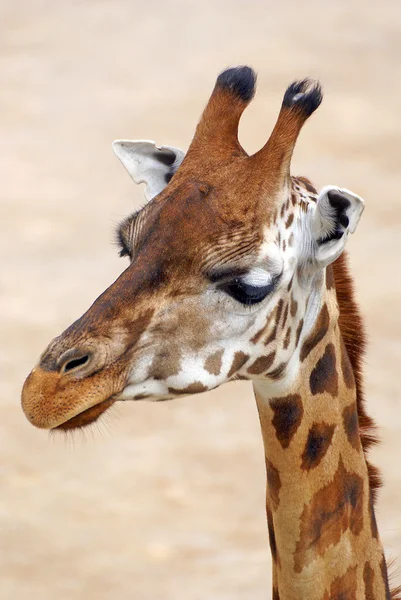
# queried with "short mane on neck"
point(353, 334)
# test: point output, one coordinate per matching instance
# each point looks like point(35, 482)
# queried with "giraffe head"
point(223, 260)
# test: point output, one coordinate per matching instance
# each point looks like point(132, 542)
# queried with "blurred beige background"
point(168, 501)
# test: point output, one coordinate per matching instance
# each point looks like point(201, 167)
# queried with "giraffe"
point(237, 270)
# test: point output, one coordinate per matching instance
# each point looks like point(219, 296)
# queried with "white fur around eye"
point(258, 277)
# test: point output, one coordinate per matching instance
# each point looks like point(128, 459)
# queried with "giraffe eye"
point(246, 293)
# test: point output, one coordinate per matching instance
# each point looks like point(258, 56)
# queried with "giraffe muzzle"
point(52, 400)
point(71, 390)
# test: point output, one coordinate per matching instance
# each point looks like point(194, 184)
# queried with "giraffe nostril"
point(73, 360)
point(76, 362)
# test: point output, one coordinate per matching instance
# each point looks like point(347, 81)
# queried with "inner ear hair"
point(333, 213)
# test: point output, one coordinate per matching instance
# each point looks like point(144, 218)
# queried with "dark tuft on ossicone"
point(240, 81)
point(305, 95)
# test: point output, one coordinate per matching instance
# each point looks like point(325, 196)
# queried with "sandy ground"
point(168, 501)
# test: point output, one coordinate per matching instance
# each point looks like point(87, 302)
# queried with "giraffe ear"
point(337, 214)
point(148, 163)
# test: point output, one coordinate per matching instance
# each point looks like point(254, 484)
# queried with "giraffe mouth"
point(86, 417)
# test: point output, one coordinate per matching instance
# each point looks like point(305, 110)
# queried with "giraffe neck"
point(322, 527)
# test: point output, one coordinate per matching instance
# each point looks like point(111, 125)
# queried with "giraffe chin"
point(86, 417)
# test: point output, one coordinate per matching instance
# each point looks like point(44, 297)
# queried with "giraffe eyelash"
point(257, 277)
point(127, 234)
point(247, 294)
point(120, 241)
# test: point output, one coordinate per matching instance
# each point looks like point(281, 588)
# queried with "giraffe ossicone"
point(236, 271)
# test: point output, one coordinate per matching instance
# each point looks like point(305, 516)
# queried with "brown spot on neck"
point(368, 579)
point(317, 444)
point(346, 367)
point(324, 376)
point(318, 333)
point(343, 588)
point(335, 508)
point(288, 412)
point(273, 483)
point(350, 422)
point(272, 536)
